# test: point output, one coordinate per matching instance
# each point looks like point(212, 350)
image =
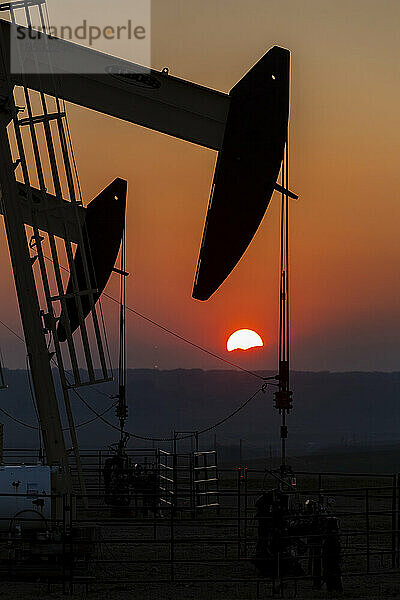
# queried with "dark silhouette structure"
point(247, 168)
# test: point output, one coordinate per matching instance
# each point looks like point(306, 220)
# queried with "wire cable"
point(22, 340)
point(162, 327)
point(94, 418)
point(135, 435)
point(235, 412)
point(18, 420)
point(177, 335)
point(12, 331)
point(34, 404)
point(147, 319)
point(186, 340)
point(168, 439)
point(93, 387)
point(130, 434)
point(10, 416)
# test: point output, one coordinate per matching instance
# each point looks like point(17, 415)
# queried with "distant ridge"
point(350, 409)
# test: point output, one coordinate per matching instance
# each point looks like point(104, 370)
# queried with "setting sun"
point(243, 339)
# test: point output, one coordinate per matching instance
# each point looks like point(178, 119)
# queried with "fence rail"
point(215, 548)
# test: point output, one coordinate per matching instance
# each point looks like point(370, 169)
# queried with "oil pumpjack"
point(41, 206)
point(255, 149)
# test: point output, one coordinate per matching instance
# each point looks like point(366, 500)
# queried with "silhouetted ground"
point(371, 589)
point(380, 459)
point(376, 587)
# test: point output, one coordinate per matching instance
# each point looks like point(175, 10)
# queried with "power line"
point(94, 419)
point(31, 391)
point(18, 421)
point(186, 340)
point(93, 387)
point(235, 412)
point(10, 416)
point(22, 340)
point(165, 439)
point(12, 331)
point(175, 334)
point(134, 435)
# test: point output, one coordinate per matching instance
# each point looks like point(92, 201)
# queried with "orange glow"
point(343, 157)
point(243, 339)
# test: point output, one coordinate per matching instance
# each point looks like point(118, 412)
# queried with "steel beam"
point(50, 214)
point(38, 353)
point(121, 89)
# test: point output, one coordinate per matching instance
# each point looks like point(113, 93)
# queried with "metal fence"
point(211, 549)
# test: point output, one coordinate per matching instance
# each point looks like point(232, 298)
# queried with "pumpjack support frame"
point(170, 105)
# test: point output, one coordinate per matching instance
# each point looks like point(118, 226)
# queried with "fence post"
point(172, 543)
point(394, 536)
point(67, 550)
point(72, 514)
point(99, 475)
point(64, 553)
point(174, 475)
point(367, 525)
point(192, 483)
point(245, 512)
point(398, 520)
point(239, 502)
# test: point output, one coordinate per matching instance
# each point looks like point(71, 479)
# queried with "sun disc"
point(243, 339)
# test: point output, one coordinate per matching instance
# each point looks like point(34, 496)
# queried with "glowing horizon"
point(344, 135)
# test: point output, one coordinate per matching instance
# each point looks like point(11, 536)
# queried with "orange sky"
point(344, 165)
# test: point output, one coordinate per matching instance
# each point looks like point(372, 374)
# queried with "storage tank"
point(25, 500)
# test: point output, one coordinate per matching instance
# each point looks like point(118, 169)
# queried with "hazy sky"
point(344, 151)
